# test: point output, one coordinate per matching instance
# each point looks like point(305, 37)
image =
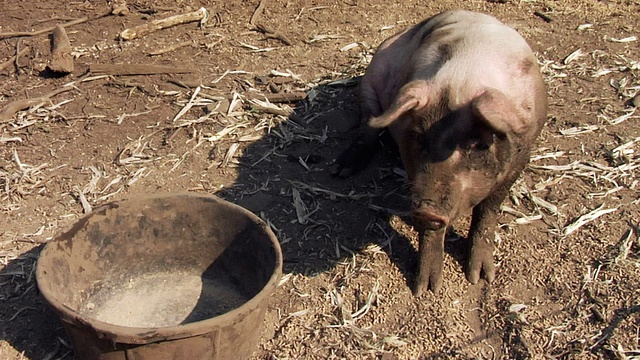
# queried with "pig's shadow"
point(26, 322)
point(344, 215)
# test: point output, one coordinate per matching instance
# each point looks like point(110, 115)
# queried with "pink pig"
point(462, 96)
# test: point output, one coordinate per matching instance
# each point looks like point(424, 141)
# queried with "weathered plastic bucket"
point(175, 276)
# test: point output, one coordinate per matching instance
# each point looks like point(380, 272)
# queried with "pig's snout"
point(430, 219)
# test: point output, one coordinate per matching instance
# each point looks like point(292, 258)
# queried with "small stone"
point(274, 88)
point(635, 101)
point(221, 107)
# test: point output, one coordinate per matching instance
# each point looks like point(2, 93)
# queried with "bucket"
point(173, 276)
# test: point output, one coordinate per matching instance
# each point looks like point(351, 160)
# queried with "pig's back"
point(465, 53)
point(460, 53)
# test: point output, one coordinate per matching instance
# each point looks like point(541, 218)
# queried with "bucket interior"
point(159, 262)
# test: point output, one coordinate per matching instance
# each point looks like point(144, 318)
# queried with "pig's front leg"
point(481, 235)
point(430, 260)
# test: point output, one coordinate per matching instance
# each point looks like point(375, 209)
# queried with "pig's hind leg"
point(358, 155)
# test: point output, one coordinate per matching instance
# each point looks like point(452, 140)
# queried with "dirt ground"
point(567, 252)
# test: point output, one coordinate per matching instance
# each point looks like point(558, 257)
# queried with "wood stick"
point(50, 29)
point(61, 58)
point(256, 13)
point(12, 59)
point(13, 107)
point(137, 69)
point(272, 110)
point(17, 57)
point(280, 97)
point(270, 33)
point(543, 16)
point(155, 25)
point(56, 18)
point(42, 31)
point(171, 48)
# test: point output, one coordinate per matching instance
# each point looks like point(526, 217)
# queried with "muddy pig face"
point(452, 163)
point(455, 159)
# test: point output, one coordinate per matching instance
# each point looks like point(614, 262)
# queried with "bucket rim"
point(145, 335)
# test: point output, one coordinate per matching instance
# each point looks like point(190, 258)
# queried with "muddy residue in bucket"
point(162, 299)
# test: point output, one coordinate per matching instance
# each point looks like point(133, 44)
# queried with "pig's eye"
point(478, 145)
point(474, 144)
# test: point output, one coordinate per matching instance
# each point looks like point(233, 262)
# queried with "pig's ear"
point(499, 113)
point(412, 96)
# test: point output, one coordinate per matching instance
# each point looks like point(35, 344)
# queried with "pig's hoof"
point(355, 158)
point(339, 170)
point(480, 262)
point(433, 281)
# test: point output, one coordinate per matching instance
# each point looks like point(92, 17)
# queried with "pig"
point(462, 96)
